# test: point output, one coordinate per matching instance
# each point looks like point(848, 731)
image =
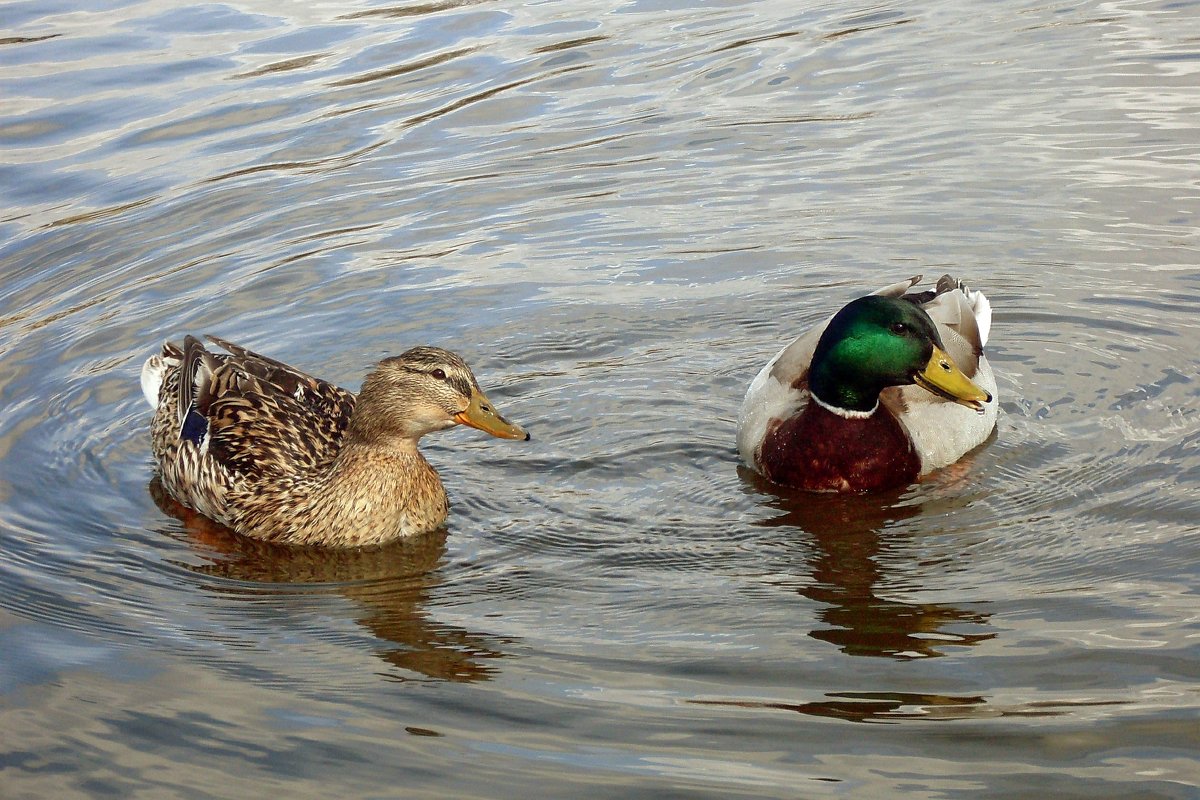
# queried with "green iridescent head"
point(876, 342)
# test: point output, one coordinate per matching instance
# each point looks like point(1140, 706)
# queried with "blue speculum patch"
point(194, 427)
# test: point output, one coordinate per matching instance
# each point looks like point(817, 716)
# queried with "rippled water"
point(616, 213)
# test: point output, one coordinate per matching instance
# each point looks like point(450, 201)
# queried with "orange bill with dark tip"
point(480, 414)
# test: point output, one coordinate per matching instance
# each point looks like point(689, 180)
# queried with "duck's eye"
point(439, 374)
point(899, 327)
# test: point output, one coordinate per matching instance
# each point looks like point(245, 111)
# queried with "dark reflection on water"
point(898, 706)
point(392, 584)
point(850, 534)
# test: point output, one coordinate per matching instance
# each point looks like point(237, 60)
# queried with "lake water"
point(616, 212)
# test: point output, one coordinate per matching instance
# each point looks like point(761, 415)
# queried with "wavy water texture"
point(616, 213)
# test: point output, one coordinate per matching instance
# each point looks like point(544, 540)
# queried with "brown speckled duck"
point(893, 386)
point(279, 455)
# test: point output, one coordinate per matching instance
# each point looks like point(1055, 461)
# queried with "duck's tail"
point(979, 304)
point(154, 371)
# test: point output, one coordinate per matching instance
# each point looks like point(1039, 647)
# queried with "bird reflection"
point(847, 566)
point(878, 707)
point(392, 584)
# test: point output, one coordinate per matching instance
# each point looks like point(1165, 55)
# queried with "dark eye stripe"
point(453, 379)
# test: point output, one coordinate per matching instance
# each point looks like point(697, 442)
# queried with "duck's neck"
point(845, 413)
point(379, 421)
point(844, 390)
point(380, 468)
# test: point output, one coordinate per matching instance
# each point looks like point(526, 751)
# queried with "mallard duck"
point(276, 454)
point(893, 386)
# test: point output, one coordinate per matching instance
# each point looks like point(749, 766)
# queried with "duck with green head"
point(893, 386)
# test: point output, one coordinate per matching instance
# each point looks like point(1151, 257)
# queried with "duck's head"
point(422, 390)
point(876, 342)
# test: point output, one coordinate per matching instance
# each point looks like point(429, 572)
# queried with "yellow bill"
point(944, 379)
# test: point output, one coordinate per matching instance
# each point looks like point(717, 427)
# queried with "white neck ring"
point(845, 413)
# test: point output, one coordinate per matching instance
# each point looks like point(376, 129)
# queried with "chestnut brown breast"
point(819, 450)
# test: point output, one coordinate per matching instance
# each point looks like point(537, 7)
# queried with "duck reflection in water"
point(853, 537)
point(391, 583)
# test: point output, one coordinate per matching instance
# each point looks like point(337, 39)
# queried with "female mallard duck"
point(276, 454)
point(893, 386)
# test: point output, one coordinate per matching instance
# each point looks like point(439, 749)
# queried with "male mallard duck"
point(893, 386)
point(276, 454)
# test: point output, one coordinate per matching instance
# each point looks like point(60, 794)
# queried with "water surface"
point(616, 213)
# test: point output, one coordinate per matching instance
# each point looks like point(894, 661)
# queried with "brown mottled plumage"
point(282, 456)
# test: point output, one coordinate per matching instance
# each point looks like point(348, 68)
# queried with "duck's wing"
point(321, 395)
point(254, 415)
point(778, 391)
